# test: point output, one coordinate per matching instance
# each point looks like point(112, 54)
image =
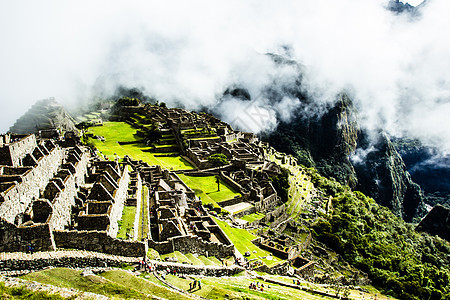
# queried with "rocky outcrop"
point(437, 222)
point(328, 141)
point(43, 115)
point(382, 175)
point(429, 167)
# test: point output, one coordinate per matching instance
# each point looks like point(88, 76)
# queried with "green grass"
point(237, 287)
point(143, 223)
point(115, 132)
point(206, 188)
point(69, 278)
point(194, 259)
point(241, 238)
point(126, 224)
point(142, 285)
point(180, 257)
point(253, 217)
point(204, 138)
point(206, 261)
point(22, 292)
point(153, 254)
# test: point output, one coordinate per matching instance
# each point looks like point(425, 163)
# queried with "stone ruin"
point(53, 196)
point(55, 193)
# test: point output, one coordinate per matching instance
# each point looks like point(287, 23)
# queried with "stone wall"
point(278, 269)
point(98, 241)
point(270, 216)
point(268, 203)
point(191, 244)
point(213, 271)
point(12, 154)
point(64, 261)
point(138, 207)
point(63, 202)
point(120, 196)
point(18, 198)
point(230, 182)
point(18, 238)
point(235, 200)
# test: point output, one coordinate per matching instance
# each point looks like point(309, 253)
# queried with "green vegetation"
point(127, 101)
point(126, 223)
point(143, 224)
point(206, 188)
point(402, 262)
point(218, 160)
point(253, 217)
point(24, 293)
point(281, 184)
point(237, 287)
point(132, 145)
point(69, 278)
point(143, 286)
point(181, 258)
point(116, 284)
point(242, 239)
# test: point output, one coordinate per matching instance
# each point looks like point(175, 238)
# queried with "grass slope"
point(116, 284)
point(241, 238)
point(115, 132)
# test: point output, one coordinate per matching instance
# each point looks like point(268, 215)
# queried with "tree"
point(218, 160)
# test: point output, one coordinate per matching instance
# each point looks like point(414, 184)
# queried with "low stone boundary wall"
point(14, 238)
point(190, 244)
point(99, 241)
point(61, 259)
point(214, 271)
point(10, 262)
point(235, 200)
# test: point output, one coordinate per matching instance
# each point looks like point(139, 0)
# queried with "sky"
point(188, 52)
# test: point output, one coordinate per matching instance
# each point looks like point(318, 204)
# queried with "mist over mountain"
point(258, 65)
point(189, 53)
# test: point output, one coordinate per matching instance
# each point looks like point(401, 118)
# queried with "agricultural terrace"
point(120, 139)
point(242, 240)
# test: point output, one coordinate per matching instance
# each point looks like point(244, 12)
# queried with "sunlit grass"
point(241, 239)
point(206, 188)
point(115, 132)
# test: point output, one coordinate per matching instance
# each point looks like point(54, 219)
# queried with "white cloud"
point(189, 51)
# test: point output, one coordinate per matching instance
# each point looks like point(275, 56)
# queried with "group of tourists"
point(143, 264)
point(194, 284)
point(256, 286)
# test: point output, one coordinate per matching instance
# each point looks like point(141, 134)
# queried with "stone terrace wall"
point(63, 202)
point(138, 206)
point(190, 244)
point(85, 259)
point(33, 182)
point(13, 153)
point(62, 259)
point(14, 238)
point(98, 241)
point(230, 182)
point(120, 197)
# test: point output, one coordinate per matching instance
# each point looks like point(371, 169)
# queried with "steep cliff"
point(382, 175)
point(429, 167)
point(437, 221)
point(44, 114)
point(327, 142)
